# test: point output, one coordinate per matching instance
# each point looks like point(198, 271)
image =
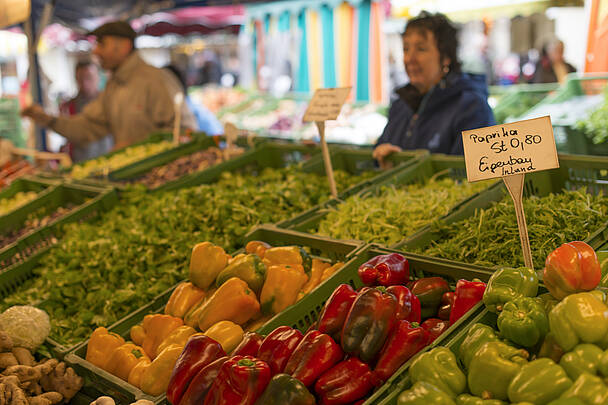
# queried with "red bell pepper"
point(199, 387)
point(368, 324)
point(445, 307)
point(277, 347)
point(572, 267)
point(316, 353)
point(199, 351)
point(249, 346)
point(241, 380)
point(429, 291)
point(385, 270)
point(408, 307)
point(333, 315)
point(346, 382)
point(435, 327)
point(405, 340)
point(467, 294)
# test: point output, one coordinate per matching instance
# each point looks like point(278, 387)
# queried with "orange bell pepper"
point(185, 296)
point(101, 345)
point(157, 327)
point(124, 358)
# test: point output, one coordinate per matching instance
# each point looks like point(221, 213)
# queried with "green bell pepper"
point(423, 393)
point(284, 389)
point(506, 284)
point(248, 268)
point(550, 348)
point(584, 358)
point(547, 301)
point(602, 367)
point(523, 321)
point(439, 368)
point(493, 367)
point(579, 318)
point(567, 401)
point(540, 381)
point(478, 335)
point(589, 389)
point(468, 399)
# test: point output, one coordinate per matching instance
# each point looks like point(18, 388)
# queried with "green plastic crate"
point(268, 154)
point(124, 393)
point(574, 172)
point(520, 98)
point(307, 310)
point(24, 184)
point(418, 171)
point(15, 270)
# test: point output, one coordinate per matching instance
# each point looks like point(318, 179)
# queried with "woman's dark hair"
point(446, 35)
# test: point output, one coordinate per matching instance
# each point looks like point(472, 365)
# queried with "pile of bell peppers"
point(359, 340)
point(225, 297)
point(548, 349)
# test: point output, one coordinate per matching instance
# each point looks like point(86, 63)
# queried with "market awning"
point(76, 13)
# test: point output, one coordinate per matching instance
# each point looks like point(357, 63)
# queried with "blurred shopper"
point(87, 80)
point(439, 102)
point(552, 67)
point(137, 100)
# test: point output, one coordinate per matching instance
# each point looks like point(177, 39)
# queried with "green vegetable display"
point(101, 271)
point(12, 203)
point(595, 127)
point(393, 213)
point(491, 237)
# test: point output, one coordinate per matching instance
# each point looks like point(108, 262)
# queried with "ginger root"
point(8, 360)
point(23, 356)
point(63, 380)
point(11, 393)
point(48, 398)
point(24, 373)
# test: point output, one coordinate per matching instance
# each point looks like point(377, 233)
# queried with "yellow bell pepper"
point(156, 375)
point(191, 318)
point(235, 258)
point(233, 301)
point(283, 255)
point(101, 345)
point(157, 327)
point(327, 273)
point(318, 267)
point(206, 262)
point(185, 296)
point(257, 247)
point(124, 358)
point(227, 334)
point(137, 372)
point(138, 334)
point(178, 337)
point(283, 283)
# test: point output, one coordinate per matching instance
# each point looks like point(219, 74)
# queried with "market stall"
point(188, 269)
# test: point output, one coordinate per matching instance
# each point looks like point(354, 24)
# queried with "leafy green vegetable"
point(491, 236)
point(102, 271)
point(596, 126)
point(393, 213)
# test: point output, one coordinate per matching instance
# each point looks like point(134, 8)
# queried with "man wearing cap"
point(137, 100)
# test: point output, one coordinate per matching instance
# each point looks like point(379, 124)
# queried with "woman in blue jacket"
point(440, 101)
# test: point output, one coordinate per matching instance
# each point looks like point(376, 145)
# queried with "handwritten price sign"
point(509, 149)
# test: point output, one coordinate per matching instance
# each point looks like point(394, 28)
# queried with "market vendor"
point(439, 102)
point(137, 100)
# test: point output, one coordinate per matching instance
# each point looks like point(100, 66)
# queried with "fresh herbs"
point(393, 213)
point(491, 236)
